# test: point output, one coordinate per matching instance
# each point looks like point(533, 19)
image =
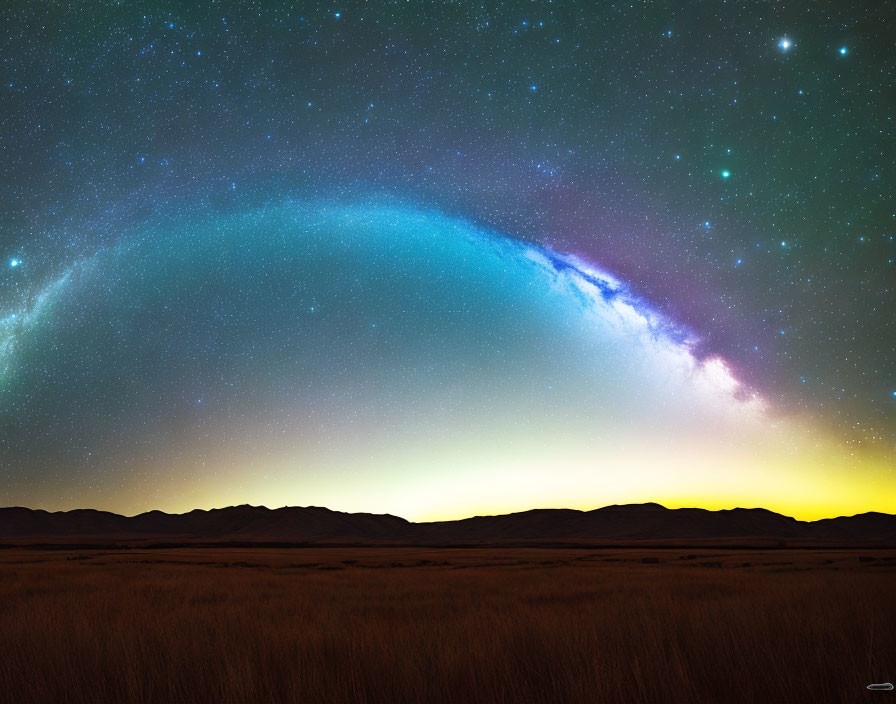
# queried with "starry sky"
point(446, 258)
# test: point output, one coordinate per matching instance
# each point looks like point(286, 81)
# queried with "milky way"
point(344, 354)
point(442, 258)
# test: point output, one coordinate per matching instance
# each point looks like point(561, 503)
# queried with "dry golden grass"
point(413, 625)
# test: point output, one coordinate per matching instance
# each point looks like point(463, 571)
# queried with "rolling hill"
point(634, 523)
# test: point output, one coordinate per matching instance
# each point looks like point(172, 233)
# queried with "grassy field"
point(446, 625)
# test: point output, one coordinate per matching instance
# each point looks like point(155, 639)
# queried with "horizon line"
point(452, 520)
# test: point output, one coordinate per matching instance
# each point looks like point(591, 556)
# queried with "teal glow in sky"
point(372, 357)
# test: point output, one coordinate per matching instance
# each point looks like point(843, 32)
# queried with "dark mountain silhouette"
point(232, 523)
point(639, 523)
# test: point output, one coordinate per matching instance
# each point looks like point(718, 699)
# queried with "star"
point(726, 173)
point(785, 44)
point(843, 51)
point(13, 263)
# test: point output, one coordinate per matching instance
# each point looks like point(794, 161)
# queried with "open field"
point(446, 625)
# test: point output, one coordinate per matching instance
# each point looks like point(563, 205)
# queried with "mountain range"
point(648, 523)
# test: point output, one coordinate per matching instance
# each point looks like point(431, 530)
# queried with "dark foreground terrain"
point(446, 625)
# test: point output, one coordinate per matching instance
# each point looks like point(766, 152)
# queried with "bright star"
point(14, 263)
point(843, 50)
point(785, 44)
point(726, 173)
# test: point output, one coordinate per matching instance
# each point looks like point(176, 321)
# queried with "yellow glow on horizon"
point(428, 470)
point(503, 471)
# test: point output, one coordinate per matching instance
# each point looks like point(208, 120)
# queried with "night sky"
point(438, 259)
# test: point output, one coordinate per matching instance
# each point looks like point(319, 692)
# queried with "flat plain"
point(373, 624)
